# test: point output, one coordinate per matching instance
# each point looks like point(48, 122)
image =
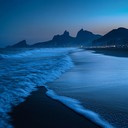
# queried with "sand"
point(40, 111)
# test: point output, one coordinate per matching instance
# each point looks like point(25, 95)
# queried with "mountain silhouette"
point(115, 37)
point(83, 38)
point(63, 40)
point(21, 44)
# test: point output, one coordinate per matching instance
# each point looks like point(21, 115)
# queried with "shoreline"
point(38, 111)
point(117, 52)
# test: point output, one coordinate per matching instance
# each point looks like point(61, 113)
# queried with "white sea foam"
point(77, 107)
point(46, 52)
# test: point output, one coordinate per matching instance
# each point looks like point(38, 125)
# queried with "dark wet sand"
point(40, 111)
point(118, 52)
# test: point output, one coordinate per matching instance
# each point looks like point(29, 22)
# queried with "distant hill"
point(21, 44)
point(63, 40)
point(115, 37)
point(85, 37)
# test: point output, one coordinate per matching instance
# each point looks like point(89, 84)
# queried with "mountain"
point(21, 44)
point(63, 40)
point(85, 37)
point(115, 37)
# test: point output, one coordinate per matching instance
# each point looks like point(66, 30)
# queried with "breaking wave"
point(21, 74)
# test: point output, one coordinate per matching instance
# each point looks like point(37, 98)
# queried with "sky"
point(40, 20)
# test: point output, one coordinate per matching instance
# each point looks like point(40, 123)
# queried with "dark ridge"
point(21, 44)
point(115, 37)
point(64, 40)
point(83, 38)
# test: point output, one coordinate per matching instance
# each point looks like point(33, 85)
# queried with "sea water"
point(100, 84)
point(91, 84)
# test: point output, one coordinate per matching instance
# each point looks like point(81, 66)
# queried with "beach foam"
point(77, 107)
point(42, 52)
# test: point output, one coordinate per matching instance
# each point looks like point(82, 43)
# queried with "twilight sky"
point(39, 20)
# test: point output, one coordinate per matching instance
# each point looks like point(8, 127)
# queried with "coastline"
point(40, 111)
point(116, 52)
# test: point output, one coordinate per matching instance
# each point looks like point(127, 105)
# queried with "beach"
point(91, 93)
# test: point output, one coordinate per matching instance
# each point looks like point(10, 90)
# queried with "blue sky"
point(39, 20)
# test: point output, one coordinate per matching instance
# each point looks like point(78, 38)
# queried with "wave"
point(38, 52)
point(20, 78)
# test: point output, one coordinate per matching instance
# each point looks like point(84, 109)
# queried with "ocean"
point(93, 85)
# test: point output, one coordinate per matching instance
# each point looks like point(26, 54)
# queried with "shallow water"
point(100, 83)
